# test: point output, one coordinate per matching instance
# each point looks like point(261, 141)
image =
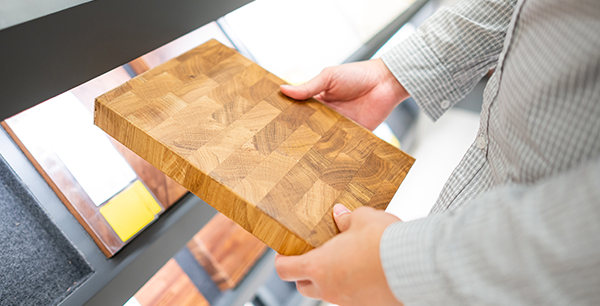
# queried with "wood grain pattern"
point(170, 286)
point(223, 248)
point(226, 251)
point(217, 123)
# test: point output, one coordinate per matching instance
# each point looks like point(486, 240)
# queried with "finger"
point(341, 214)
point(319, 97)
point(308, 289)
point(308, 89)
point(291, 268)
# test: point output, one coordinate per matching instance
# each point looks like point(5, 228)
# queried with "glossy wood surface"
point(170, 286)
point(217, 123)
point(226, 251)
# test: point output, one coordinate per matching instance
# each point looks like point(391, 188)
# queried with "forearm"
point(515, 245)
point(450, 52)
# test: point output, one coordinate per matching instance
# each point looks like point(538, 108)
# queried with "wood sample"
point(226, 251)
point(170, 286)
point(166, 191)
point(24, 130)
point(217, 124)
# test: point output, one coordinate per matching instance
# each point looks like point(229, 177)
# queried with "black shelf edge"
point(47, 56)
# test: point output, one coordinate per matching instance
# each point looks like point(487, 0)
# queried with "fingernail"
point(287, 86)
point(340, 209)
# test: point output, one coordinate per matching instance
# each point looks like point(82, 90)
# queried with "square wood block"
point(217, 124)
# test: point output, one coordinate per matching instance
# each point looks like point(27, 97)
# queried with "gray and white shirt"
point(518, 221)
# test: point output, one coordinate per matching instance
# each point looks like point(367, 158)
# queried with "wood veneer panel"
point(170, 286)
point(217, 123)
point(226, 251)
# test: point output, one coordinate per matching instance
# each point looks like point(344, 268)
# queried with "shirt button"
point(481, 143)
point(445, 104)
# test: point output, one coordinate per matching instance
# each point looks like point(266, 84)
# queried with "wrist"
point(390, 81)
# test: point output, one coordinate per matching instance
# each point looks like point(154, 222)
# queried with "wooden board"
point(170, 286)
point(226, 251)
point(217, 124)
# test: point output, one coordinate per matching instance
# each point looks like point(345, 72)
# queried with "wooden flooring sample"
point(217, 124)
point(226, 251)
point(170, 286)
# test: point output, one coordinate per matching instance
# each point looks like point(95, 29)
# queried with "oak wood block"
point(170, 286)
point(226, 251)
point(217, 123)
point(223, 248)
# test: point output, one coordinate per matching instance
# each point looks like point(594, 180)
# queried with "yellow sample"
point(130, 210)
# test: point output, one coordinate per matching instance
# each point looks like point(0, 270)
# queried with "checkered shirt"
point(518, 221)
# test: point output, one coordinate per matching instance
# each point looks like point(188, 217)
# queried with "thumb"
point(341, 214)
point(306, 90)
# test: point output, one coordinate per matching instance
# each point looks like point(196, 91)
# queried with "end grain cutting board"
point(217, 124)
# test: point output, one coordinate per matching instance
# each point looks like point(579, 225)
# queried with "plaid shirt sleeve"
point(518, 220)
point(450, 53)
point(515, 245)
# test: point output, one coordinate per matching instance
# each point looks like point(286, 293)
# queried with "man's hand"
point(346, 270)
point(365, 92)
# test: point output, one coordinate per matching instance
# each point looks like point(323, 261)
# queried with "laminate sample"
point(170, 286)
point(226, 251)
point(217, 124)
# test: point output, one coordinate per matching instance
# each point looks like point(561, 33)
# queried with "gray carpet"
point(38, 264)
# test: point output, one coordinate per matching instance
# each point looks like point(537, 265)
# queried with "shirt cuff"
point(423, 75)
point(407, 253)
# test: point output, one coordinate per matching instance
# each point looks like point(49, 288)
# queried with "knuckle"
point(364, 209)
point(328, 72)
